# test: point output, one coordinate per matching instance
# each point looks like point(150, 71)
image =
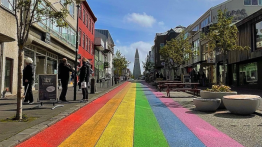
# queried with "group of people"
point(198, 77)
point(64, 70)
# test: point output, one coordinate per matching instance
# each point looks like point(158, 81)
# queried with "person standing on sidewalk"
point(84, 77)
point(64, 70)
point(28, 79)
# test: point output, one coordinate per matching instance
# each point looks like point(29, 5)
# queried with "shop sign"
point(210, 60)
point(47, 90)
point(236, 14)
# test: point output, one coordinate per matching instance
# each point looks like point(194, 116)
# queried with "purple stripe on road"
point(208, 134)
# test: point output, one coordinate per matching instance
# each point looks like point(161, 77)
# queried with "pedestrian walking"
point(28, 80)
point(84, 77)
point(63, 70)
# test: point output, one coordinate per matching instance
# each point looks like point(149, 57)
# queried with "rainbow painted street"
point(133, 114)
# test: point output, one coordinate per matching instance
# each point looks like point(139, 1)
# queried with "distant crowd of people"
point(195, 77)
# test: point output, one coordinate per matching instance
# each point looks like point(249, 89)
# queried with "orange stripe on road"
point(89, 133)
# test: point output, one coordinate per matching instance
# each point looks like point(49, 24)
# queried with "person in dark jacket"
point(84, 77)
point(64, 69)
point(28, 80)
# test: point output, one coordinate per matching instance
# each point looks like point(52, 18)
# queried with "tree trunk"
point(19, 86)
point(225, 69)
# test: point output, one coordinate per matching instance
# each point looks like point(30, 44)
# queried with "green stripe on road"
point(147, 130)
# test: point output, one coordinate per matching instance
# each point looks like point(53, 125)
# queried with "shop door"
point(8, 74)
point(40, 66)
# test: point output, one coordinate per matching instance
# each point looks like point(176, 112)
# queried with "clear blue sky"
point(134, 23)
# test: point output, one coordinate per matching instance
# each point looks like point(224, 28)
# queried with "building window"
point(196, 28)
point(205, 22)
point(72, 9)
point(83, 41)
point(80, 12)
point(73, 37)
point(86, 43)
point(79, 37)
point(90, 24)
point(84, 12)
point(92, 28)
point(62, 2)
point(91, 49)
point(89, 45)
point(248, 73)
point(258, 35)
point(252, 2)
point(86, 20)
point(6, 4)
point(65, 33)
point(162, 45)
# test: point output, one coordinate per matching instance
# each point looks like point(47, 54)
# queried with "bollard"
point(92, 89)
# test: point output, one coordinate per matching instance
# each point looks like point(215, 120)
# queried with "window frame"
point(83, 40)
point(73, 6)
point(86, 47)
point(79, 37)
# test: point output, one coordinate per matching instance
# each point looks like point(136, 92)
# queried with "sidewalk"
point(13, 132)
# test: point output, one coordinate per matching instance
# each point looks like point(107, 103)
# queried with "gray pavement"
point(244, 129)
point(13, 132)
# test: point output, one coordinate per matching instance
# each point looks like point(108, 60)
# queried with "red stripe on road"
point(57, 133)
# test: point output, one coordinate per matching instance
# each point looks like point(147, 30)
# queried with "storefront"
point(44, 62)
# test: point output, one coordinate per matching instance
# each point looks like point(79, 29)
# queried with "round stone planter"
point(206, 105)
point(242, 104)
point(213, 95)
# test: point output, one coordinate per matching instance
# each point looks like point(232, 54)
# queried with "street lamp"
point(78, 2)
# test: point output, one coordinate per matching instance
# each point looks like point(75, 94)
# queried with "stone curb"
point(27, 133)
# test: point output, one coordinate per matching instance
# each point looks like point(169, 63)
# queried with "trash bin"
point(92, 89)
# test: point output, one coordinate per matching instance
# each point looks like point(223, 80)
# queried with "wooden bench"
point(181, 87)
point(161, 84)
point(195, 91)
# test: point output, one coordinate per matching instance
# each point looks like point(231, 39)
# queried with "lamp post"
point(78, 2)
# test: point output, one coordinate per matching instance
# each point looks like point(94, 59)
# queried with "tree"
point(28, 12)
point(177, 49)
point(222, 37)
point(147, 65)
point(120, 62)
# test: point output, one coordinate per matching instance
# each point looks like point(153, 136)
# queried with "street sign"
point(47, 87)
point(210, 60)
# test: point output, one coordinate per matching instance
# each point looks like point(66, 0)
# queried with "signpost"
point(47, 90)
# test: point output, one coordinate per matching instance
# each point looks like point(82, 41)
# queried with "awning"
point(4, 38)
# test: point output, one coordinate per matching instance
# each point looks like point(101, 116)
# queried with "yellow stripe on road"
point(120, 130)
point(89, 133)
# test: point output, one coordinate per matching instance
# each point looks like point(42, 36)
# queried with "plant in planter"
point(217, 91)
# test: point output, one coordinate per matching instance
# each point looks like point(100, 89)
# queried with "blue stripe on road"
point(176, 133)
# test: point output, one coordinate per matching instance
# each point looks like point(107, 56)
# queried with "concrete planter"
point(242, 104)
point(206, 105)
point(214, 95)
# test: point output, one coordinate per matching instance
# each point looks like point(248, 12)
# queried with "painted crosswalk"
point(130, 115)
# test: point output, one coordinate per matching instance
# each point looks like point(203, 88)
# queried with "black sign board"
point(47, 90)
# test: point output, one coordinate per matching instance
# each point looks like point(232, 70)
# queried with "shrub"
point(219, 88)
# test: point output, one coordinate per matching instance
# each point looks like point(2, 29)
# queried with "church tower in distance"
point(136, 70)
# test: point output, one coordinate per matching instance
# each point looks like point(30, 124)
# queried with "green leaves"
point(148, 65)
point(179, 49)
point(120, 62)
point(223, 34)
